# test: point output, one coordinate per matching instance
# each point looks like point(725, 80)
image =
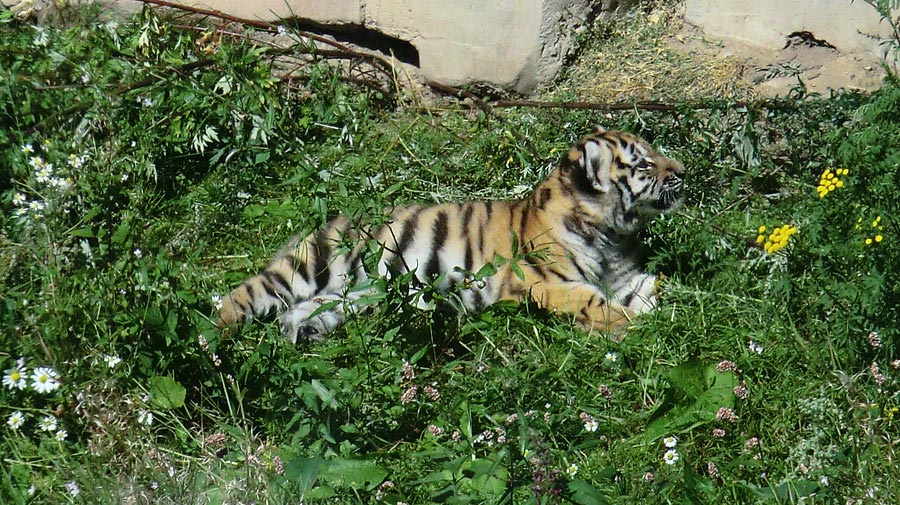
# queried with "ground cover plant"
point(147, 167)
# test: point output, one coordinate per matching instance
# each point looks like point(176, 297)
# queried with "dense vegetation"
point(146, 168)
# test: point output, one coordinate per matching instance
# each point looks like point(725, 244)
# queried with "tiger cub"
point(573, 236)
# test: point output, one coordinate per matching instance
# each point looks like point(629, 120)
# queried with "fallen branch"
point(344, 50)
point(488, 106)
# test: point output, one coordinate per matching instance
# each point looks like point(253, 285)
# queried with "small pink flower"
point(874, 339)
point(455, 436)
point(726, 414)
point(712, 470)
point(876, 373)
point(408, 372)
point(432, 393)
point(718, 433)
point(726, 366)
point(648, 477)
point(435, 430)
point(512, 418)
point(752, 442)
point(604, 391)
point(741, 391)
point(409, 395)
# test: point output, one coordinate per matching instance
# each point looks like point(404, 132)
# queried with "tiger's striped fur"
point(575, 233)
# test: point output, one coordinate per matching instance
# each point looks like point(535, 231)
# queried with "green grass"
point(184, 182)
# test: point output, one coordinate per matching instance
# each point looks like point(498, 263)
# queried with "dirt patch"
point(776, 72)
point(657, 56)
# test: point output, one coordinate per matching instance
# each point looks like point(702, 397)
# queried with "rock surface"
point(516, 45)
point(828, 44)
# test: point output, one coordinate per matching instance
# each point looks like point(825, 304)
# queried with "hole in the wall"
point(368, 38)
point(805, 39)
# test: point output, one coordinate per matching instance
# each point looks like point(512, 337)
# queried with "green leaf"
point(83, 232)
point(586, 494)
point(121, 233)
point(487, 270)
point(303, 472)
point(354, 473)
point(166, 393)
point(697, 393)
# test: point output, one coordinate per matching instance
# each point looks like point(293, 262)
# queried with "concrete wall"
point(844, 24)
point(513, 44)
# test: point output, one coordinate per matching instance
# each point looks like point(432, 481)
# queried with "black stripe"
point(410, 225)
point(488, 209)
point(522, 224)
point(268, 286)
point(299, 266)
point(479, 300)
point(277, 278)
point(438, 239)
point(559, 274)
point(467, 266)
point(573, 225)
point(544, 197)
point(467, 216)
point(581, 271)
point(323, 251)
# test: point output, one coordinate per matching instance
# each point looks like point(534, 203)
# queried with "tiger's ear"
point(596, 161)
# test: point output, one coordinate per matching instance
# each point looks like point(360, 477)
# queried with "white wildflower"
point(671, 457)
point(44, 380)
point(48, 423)
point(15, 420)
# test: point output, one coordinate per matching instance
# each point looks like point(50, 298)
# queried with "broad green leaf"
point(354, 473)
point(166, 393)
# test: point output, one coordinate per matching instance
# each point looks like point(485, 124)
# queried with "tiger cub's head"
point(624, 174)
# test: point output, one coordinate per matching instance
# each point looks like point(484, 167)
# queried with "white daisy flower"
point(15, 420)
point(611, 357)
point(15, 377)
point(670, 457)
point(591, 425)
point(19, 199)
point(48, 423)
point(44, 380)
point(28, 149)
point(670, 441)
point(112, 361)
point(572, 470)
point(60, 435)
point(44, 173)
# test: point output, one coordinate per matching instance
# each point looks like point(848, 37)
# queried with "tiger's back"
point(568, 246)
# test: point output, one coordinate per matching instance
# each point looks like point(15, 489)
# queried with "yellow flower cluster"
point(877, 227)
point(777, 240)
point(829, 181)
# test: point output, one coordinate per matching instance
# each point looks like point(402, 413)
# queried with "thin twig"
point(87, 104)
point(375, 59)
